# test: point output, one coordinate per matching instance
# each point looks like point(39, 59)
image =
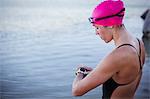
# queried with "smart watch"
point(83, 71)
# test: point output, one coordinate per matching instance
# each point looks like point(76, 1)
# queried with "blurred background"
point(43, 41)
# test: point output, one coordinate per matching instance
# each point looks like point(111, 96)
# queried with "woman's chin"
point(106, 41)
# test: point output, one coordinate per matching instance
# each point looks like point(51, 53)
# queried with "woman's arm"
point(105, 70)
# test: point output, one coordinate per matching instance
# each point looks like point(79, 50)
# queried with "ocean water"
point(42, 42)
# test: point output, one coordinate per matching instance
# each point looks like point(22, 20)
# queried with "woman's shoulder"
point(122, 56)
point(123, 52)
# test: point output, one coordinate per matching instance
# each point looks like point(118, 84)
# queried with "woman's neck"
point(121, 36)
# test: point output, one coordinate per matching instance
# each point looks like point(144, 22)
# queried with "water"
point(41, 46)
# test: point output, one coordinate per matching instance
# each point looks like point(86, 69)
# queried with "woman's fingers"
point(85, 67)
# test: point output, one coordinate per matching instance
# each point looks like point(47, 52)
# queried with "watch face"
point(83, 69)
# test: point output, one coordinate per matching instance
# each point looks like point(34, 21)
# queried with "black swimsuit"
point(110, 85)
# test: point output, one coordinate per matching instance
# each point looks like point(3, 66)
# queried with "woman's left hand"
point(84, 70)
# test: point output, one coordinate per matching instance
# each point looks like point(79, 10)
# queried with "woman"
point(121, 70)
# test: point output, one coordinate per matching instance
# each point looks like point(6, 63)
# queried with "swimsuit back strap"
point(139, 53)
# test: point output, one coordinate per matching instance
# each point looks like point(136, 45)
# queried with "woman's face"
point(105, 33)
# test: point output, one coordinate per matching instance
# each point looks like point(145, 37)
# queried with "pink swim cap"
point(108, 13)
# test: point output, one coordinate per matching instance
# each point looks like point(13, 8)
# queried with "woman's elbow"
point(76, 92)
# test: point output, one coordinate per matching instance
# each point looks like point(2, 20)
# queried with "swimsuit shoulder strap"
point(139, 55)
point(126, 45)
